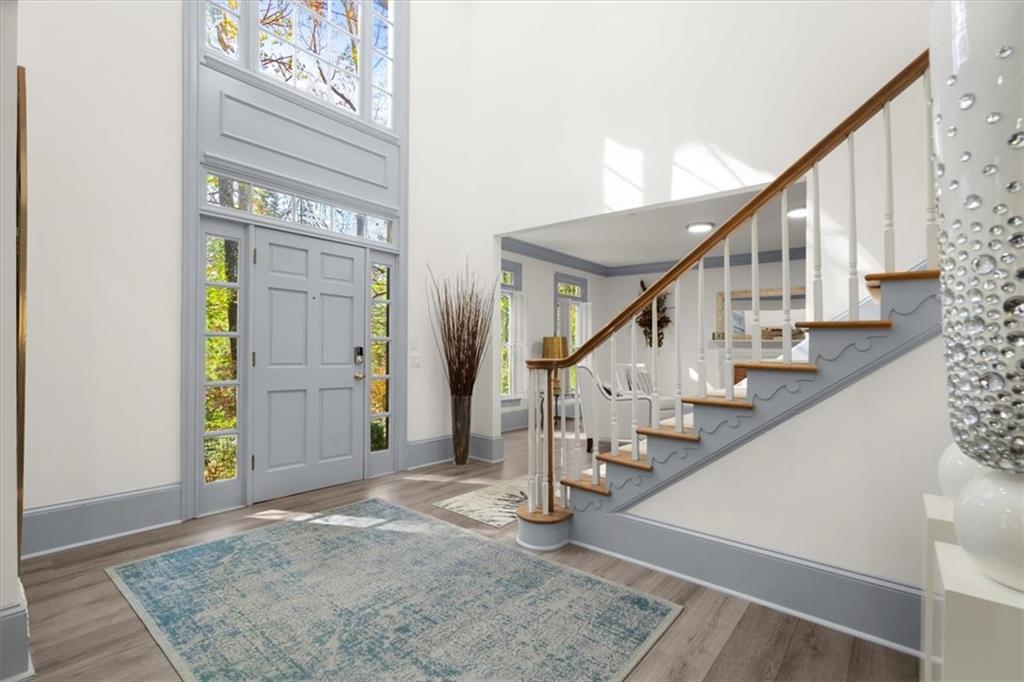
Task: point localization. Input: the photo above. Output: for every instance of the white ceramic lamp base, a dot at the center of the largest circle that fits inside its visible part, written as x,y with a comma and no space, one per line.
989,521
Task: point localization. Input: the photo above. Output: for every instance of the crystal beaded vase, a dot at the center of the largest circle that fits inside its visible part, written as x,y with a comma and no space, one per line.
977,52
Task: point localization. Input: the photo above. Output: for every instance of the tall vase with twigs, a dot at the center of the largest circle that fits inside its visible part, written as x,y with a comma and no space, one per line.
462,308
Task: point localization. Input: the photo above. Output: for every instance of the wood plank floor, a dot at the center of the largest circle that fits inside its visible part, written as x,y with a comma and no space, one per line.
82,628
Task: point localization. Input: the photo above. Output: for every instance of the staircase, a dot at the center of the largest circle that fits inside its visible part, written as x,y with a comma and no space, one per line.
599,487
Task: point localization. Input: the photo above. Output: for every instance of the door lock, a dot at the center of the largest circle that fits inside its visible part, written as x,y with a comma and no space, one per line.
357,355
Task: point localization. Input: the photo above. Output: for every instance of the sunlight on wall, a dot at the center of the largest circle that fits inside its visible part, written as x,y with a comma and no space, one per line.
623,176
699,168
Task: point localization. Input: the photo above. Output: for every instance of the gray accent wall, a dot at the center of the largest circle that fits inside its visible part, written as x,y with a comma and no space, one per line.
61,526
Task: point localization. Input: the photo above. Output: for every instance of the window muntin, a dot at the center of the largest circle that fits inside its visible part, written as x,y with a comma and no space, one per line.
221,338
314,46
381,286
249,198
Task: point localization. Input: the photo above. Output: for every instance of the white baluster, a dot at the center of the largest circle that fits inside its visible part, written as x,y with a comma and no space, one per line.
635,438
815,216
576,445
755,286
655,412
563,457
677,299
702,370
888,231
613,389
852,284
931,214
787,331
549,428
592,434
729,374
531,441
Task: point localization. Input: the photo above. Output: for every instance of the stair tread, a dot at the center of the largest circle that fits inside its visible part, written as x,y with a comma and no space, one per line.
719,401
625,459
599,488
557,515
846,324
776,365
905,275
668,432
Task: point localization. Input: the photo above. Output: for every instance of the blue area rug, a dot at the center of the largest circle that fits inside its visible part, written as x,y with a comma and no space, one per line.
375,591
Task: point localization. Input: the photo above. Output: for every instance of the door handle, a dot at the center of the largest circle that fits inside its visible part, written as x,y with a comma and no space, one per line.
358,376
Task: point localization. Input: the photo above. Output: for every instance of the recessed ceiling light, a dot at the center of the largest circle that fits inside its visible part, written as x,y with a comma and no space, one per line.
798,212
700,228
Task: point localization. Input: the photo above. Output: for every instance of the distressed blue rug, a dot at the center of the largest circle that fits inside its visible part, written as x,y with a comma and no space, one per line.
375,591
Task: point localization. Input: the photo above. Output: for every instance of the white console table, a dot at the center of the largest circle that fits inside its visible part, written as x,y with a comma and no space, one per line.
979,628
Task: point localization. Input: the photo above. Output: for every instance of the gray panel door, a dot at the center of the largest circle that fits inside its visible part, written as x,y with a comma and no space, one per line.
309,397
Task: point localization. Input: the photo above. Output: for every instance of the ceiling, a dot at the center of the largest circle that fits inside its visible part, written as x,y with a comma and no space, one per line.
655,234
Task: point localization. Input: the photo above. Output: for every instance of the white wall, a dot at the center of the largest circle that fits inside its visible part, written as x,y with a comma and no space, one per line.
852,501
531,113
104,281
10,590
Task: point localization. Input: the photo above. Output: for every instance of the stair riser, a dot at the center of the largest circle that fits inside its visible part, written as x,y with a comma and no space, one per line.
903,296
828,343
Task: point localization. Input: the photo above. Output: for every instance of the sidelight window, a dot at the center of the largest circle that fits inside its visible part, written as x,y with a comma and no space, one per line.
381,290
221,335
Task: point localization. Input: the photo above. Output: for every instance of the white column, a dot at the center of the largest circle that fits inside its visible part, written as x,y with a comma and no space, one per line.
632,384
729,375
888,231
815,216
614,447
931,210
787,331
702,370
755,290
655,413
852,283
677,347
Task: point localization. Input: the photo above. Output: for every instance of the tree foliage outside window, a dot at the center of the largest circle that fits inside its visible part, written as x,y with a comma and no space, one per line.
315,46
250,198
380,361
506,343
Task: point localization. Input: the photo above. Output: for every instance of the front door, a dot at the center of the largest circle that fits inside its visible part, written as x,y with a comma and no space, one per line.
309,397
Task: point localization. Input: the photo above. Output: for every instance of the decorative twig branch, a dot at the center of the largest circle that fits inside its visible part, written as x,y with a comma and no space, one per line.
462,309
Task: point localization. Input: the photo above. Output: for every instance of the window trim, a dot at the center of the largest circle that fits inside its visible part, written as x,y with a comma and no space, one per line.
517,275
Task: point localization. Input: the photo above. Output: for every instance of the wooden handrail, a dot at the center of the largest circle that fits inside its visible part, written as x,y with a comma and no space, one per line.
900,82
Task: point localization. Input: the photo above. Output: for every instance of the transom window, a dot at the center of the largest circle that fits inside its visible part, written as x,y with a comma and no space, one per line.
220,413
314,46
380,357
243,196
